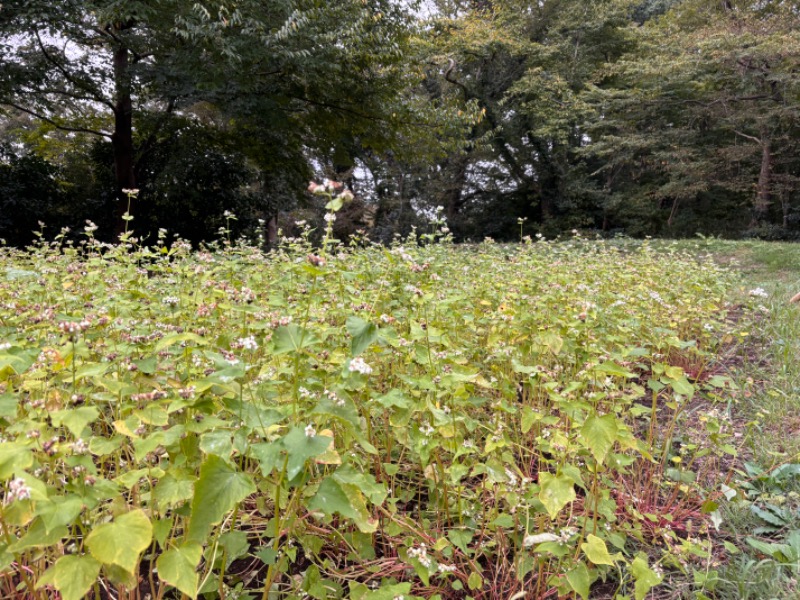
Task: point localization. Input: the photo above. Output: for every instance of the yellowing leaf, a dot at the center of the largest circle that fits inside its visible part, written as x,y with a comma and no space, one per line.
177,567
72,576
556,492
596,551
121,542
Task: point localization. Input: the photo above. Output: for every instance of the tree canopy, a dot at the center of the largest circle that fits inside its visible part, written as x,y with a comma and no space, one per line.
661,117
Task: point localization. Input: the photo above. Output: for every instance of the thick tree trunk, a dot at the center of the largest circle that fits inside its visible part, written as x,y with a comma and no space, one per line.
454,188
122,138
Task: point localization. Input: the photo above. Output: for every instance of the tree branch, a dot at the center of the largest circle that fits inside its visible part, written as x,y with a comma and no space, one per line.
749,137
97,97
55,123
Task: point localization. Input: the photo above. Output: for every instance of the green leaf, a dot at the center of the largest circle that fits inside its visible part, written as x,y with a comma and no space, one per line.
475,581
644,576
74,419
59,511
599,434
16,361
176,338
682,386
529,417
580,580
38,536
218,490
555,492
334,204
596,551
461,539
13,458
121,542
217,441
175,487
612,368
72,576
178,567
553,342
347,500
388,592
153,414
300,448
374,491
8,405
91,370
292,338
779,552
363,333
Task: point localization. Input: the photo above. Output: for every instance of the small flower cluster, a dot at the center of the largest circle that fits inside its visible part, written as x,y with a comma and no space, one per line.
248,343
421,554
149,396
80,447
759,293
17,490
72,327
357,365
334,398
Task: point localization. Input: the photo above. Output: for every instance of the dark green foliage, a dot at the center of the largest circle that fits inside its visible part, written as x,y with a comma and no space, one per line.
32,191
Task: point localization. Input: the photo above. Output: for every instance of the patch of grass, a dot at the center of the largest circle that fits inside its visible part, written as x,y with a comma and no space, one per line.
765,512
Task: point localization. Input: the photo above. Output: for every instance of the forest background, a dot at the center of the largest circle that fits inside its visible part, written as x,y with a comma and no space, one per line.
642,117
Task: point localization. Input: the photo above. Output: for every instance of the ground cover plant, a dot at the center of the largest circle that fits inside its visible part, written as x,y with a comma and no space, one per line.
416,421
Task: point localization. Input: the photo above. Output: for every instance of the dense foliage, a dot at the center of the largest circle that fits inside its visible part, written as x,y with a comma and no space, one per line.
660,117
414,421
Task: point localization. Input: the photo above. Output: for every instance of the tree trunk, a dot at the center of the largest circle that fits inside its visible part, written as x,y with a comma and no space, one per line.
272,231
764,189
122,138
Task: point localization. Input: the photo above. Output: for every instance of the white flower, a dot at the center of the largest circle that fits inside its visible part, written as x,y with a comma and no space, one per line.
5,346
17,490
329,217
759,293
248,343
80,447
310,431
421,554
170,300
358,365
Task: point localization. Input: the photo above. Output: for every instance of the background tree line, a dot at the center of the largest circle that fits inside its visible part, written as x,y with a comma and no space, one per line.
648,117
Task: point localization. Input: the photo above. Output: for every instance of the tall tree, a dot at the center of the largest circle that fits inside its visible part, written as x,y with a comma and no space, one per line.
527,66
705,109
291,77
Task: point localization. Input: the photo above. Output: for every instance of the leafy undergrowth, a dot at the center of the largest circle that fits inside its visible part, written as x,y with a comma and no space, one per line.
420,421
